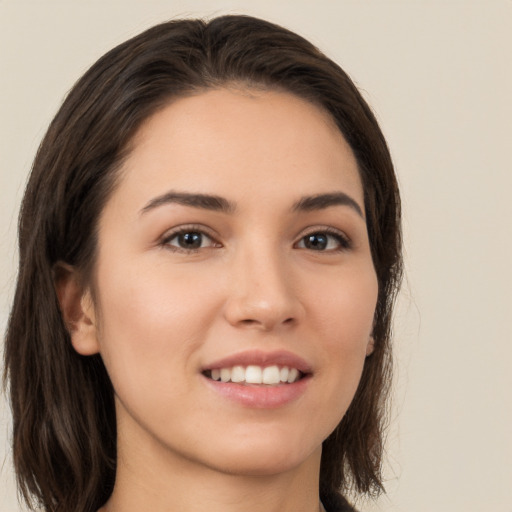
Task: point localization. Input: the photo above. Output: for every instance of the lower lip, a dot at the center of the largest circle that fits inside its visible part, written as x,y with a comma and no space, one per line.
260,396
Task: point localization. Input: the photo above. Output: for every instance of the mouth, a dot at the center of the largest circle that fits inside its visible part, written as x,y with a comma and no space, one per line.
272,375
259,379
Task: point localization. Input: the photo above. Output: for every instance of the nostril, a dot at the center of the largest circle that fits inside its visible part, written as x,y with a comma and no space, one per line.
267,323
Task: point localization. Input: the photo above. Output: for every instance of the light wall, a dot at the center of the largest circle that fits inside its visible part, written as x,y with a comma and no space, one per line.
439,76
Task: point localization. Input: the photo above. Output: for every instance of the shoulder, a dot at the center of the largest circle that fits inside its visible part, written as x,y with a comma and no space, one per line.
334,502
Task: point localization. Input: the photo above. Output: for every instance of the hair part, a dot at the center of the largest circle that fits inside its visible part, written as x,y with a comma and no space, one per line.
64,434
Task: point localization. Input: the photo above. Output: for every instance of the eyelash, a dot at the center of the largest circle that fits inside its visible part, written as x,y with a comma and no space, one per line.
187,230
344,243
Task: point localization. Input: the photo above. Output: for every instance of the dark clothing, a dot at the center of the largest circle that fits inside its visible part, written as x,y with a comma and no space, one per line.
336,503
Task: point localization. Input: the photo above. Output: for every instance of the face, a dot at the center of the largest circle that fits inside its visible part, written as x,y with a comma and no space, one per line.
234,286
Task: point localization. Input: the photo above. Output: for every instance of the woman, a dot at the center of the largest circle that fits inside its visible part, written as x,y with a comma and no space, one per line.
209,254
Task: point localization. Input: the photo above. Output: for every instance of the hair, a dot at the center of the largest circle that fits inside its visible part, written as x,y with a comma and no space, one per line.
64,425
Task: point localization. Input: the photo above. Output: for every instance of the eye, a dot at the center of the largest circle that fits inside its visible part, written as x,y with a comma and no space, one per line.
325,240
188,239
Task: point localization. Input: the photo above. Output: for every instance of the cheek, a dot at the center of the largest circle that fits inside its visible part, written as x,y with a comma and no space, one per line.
151,326
345,307
343,327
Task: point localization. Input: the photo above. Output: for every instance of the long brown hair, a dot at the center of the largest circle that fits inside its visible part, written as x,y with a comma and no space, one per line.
64,436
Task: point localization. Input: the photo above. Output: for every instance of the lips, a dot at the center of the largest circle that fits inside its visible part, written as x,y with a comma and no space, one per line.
259,379
263,359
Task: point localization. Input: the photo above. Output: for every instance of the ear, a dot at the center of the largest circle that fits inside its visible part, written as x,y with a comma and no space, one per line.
77,309
370,346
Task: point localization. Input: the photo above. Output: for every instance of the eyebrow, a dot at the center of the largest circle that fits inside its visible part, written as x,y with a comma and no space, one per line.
321,201
203,201
220,204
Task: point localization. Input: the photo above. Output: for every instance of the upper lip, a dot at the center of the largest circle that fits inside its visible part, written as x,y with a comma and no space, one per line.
261,358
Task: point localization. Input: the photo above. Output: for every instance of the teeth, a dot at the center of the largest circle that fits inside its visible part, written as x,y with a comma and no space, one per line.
238,374
225,374
270,375
253,375
292,376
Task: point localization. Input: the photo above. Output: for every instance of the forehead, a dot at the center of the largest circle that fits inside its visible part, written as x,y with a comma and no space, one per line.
242,144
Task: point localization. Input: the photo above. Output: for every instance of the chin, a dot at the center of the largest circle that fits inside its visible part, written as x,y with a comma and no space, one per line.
264,459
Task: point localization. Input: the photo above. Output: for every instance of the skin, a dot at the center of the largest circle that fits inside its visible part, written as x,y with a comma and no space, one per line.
161,313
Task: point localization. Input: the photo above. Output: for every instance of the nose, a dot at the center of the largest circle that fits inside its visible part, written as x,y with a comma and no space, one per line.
262,293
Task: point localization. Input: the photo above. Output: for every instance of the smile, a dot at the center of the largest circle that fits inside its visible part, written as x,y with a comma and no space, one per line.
259,379
268,375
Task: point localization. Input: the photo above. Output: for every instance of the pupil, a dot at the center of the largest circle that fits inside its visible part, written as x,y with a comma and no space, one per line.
190,240
316,241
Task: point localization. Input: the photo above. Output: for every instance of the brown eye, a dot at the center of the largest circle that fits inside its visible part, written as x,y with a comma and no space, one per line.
323,241
316,241
191,240
188,240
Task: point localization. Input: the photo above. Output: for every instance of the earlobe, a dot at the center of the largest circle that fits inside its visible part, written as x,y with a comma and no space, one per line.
77,309
370,346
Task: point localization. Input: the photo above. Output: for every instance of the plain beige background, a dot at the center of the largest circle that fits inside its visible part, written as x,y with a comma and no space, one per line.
438,74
